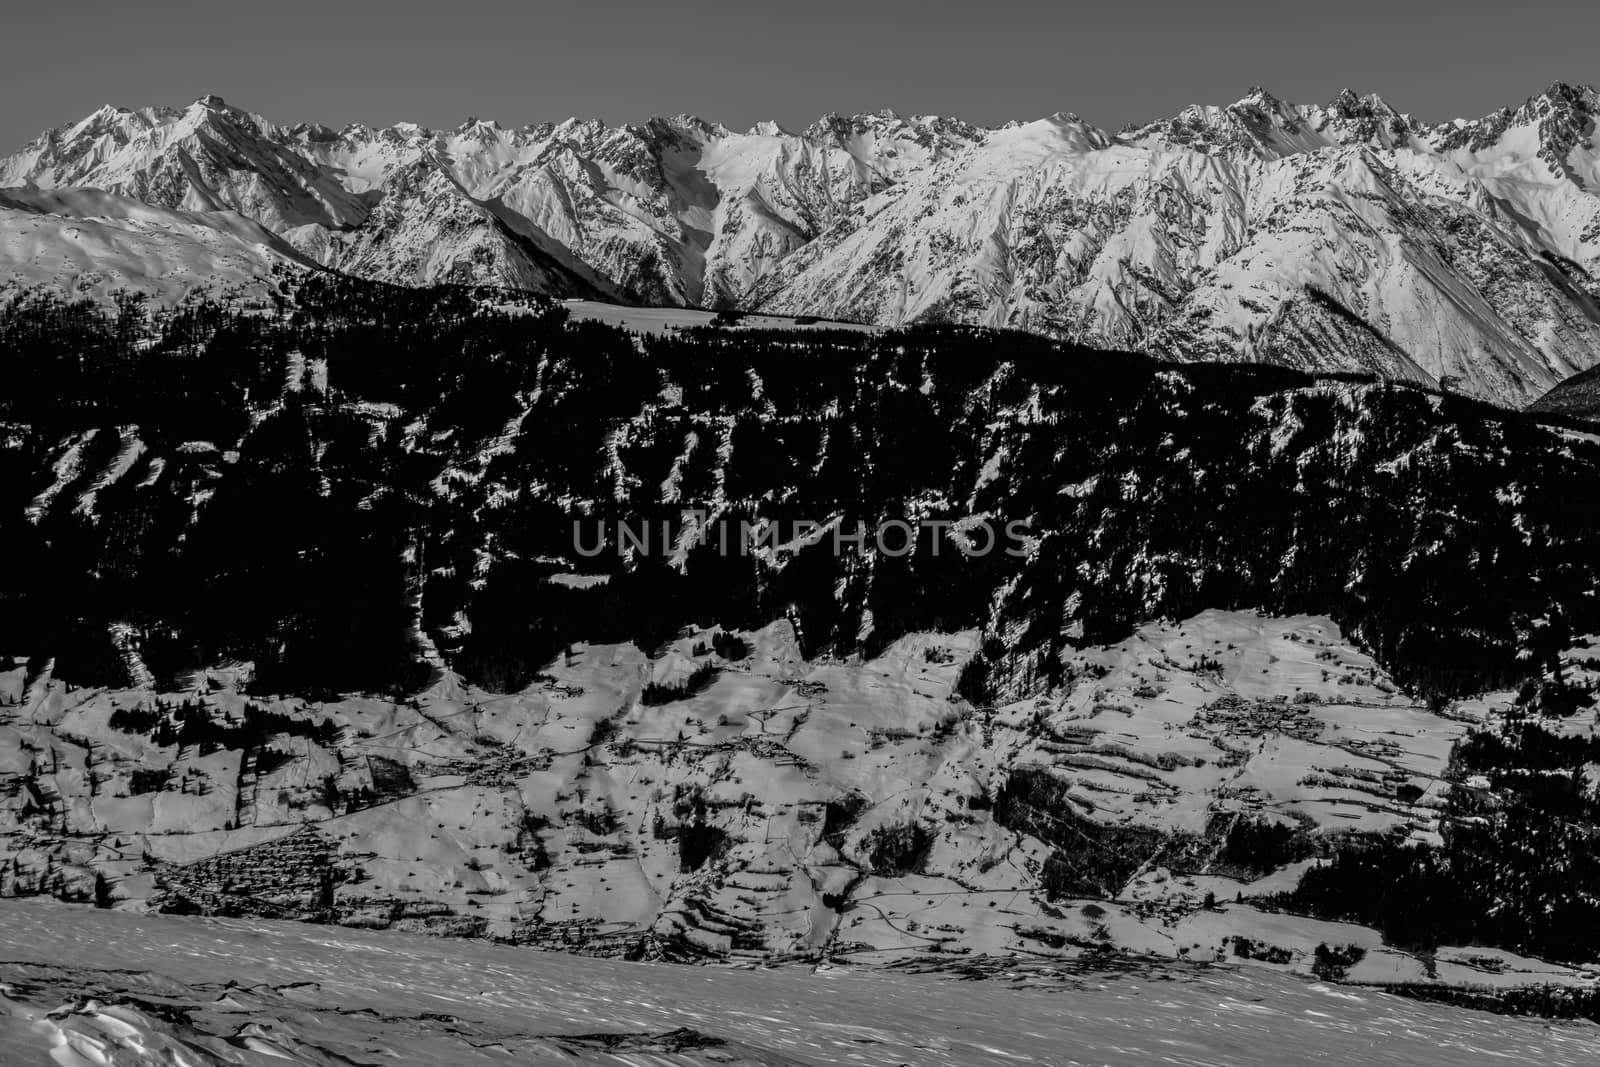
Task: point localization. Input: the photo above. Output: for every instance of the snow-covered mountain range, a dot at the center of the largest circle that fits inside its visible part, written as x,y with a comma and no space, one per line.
1344,236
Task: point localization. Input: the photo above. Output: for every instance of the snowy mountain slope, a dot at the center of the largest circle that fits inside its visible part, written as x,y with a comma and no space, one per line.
427,230
85,242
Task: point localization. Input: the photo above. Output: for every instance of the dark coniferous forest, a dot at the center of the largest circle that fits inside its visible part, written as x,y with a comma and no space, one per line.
372,470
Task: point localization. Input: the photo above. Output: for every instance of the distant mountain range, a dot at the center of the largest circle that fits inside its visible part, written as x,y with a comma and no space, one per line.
1345,236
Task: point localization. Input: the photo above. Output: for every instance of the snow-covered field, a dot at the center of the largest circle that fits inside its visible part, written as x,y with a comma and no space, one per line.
663,319
81,987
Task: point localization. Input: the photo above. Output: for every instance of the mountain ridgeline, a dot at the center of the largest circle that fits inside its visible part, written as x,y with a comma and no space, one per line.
374,482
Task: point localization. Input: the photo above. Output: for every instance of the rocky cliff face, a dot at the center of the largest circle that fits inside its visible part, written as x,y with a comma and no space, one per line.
1337,237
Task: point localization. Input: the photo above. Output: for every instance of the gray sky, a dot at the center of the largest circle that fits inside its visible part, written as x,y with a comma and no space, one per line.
337,61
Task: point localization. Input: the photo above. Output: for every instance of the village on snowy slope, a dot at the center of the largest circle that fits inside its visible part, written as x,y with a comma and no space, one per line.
787,809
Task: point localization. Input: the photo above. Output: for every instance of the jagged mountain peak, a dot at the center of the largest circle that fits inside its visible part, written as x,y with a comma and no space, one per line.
1583,98
212,111
1258,96
1347,98
679,128
1562,103
834,125
1354,119
1352,104
1555,127
767,128
103,117
1063,131
1264,125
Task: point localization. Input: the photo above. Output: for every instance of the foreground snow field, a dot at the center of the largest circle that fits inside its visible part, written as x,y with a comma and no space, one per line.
84,987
